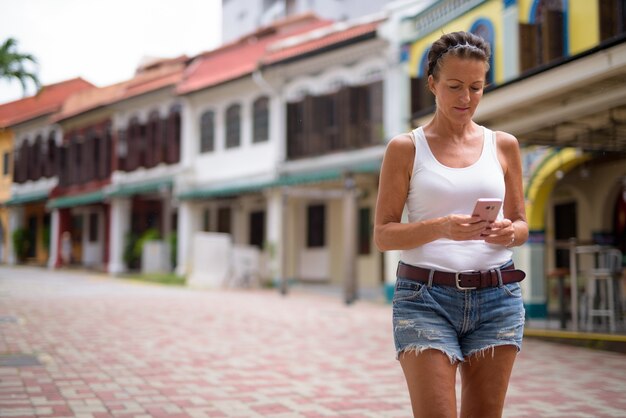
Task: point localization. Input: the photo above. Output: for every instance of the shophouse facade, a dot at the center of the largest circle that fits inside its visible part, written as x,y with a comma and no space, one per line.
120,156
557,82
29,146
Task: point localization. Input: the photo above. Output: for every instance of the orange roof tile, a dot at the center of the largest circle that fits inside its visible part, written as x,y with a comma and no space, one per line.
87,100
148,78
47,101
293,47
241,57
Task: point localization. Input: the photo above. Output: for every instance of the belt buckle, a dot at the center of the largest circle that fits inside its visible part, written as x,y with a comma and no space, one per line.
456,280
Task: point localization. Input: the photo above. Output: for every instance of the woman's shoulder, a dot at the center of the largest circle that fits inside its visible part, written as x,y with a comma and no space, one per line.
401,149
506,141
403,142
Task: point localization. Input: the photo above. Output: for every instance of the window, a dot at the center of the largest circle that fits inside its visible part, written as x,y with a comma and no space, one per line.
6,160
93,227
348,119
612,18
364,231
223,220
172,155
207,132
51,156
484,29
154,154
316,226
206,220
421,96
542,39
257,229
261,120
233,126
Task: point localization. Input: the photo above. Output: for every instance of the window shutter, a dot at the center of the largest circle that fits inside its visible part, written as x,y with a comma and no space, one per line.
309,123
174,150
552,31
344,127
292,126
608,18
528,46
376,112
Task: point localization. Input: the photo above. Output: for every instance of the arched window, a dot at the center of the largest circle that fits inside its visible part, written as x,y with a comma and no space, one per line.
260,130
543,38
51,155
207,131
153,140
172,155
484,29
233,126
421,97
612,18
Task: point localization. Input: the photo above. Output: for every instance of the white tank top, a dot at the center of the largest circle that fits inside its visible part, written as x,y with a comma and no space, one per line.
436,190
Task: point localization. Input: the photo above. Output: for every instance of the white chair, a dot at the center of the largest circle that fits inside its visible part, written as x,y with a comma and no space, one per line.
603,278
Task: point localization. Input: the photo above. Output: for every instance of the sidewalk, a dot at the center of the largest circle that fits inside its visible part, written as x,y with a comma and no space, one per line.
92,346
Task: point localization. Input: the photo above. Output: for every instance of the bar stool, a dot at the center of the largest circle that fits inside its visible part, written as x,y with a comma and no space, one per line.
603,279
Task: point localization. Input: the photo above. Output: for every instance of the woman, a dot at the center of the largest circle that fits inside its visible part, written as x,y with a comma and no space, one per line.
458,299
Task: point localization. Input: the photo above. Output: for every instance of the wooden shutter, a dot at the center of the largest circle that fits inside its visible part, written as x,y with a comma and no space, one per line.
552,33
292,125
173,154
608,18
528,46
149,149
309,122
104,157
376,112
344,126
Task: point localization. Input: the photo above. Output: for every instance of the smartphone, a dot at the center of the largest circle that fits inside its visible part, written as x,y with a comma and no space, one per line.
487,209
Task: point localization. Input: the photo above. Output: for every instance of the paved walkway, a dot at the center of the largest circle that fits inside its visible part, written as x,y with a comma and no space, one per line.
111,348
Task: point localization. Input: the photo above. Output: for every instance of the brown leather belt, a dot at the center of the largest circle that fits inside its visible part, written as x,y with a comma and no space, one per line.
463,280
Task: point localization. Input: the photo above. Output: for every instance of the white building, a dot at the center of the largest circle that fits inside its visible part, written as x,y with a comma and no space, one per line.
240,17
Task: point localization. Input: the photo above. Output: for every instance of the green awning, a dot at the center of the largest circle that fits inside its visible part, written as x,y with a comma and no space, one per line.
76,200
226,190
26,198
240,187
139,188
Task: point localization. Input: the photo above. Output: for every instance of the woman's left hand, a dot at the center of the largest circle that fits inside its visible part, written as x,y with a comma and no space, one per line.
500,232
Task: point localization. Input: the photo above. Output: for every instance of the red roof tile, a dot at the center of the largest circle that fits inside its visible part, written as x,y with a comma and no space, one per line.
241,57
282,50
47,101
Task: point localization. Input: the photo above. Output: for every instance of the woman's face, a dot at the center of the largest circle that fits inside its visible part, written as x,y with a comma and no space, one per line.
459,87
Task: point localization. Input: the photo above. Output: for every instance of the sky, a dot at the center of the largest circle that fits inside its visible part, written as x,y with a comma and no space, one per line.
103,41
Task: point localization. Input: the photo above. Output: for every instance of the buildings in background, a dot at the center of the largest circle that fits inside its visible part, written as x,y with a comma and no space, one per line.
277,139
242,17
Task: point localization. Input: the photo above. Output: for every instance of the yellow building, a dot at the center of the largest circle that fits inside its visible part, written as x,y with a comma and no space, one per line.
27,147
557,82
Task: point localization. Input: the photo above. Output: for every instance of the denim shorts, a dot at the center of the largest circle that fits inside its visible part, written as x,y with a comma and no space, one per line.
460,323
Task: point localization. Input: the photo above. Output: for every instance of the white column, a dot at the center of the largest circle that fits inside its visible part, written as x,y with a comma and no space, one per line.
16,213
189,134
54,239
510,50
186,230
274,227
119,227
350,205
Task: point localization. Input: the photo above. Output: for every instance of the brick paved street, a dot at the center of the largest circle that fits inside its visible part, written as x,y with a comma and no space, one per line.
113,348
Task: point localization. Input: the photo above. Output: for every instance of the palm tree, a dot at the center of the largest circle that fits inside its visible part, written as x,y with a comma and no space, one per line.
12,65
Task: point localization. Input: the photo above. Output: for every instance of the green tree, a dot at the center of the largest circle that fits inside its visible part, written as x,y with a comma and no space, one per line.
13,65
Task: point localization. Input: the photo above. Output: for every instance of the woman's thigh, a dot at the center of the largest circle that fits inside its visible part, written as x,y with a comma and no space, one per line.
431,378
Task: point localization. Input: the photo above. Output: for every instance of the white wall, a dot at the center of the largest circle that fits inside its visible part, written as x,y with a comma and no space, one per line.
248,159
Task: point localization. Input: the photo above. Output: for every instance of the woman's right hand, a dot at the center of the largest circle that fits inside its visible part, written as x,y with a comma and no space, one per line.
463,227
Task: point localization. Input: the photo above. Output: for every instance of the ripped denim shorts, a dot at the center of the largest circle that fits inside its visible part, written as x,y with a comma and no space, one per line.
460,323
